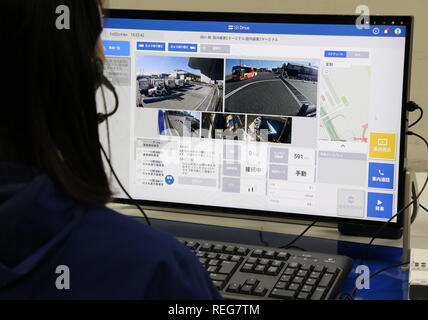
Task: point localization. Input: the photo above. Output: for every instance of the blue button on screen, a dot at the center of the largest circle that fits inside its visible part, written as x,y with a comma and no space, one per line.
334,54
379,205
151,46
183,47
116,48
381,175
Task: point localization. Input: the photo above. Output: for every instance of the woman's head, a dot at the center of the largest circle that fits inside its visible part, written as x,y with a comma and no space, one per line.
49,114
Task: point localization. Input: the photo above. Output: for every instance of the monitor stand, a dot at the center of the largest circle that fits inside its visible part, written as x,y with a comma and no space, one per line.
362,230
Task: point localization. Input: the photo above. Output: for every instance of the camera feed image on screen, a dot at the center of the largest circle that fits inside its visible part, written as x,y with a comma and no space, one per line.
179,123
271,87
223,126
180,83
269,129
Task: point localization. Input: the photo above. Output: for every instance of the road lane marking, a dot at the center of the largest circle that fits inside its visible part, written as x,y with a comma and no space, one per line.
248,84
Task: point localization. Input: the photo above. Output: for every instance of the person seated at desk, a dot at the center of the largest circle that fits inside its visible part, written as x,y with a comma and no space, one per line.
57,238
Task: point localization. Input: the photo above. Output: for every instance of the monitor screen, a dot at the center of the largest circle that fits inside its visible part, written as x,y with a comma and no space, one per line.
259,114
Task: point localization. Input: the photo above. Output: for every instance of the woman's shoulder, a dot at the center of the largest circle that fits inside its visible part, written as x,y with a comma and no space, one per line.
104,224
159,265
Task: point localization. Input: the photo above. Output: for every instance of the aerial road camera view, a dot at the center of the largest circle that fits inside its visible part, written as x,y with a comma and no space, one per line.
179,123
182,83
271,87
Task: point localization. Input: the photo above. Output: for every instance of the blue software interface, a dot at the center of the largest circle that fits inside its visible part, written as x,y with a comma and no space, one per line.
293,118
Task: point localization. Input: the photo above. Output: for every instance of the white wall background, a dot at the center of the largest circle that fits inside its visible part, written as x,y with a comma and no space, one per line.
418,8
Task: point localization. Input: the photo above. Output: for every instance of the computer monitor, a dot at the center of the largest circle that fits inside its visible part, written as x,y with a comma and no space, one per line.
264,115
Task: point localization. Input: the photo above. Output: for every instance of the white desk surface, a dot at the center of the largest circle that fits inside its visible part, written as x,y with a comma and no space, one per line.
419,231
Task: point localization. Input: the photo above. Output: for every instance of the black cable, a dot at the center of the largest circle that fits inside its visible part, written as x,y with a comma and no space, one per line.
423,207
299,236
412,106
421,114
122,187
104,117
400,211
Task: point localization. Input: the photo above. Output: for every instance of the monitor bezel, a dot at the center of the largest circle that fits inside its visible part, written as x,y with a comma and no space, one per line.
406,21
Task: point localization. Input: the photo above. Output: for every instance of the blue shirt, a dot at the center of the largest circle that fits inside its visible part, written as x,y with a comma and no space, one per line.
106,255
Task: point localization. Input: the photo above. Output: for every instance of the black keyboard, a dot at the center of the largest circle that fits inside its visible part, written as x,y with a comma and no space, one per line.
254,272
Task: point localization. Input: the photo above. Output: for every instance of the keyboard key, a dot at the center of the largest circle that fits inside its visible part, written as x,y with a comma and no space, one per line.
218,248
257,253
203,260
233,287
306,267
246,289
211,255
311,282
303,296
285,278
224,257
218,277
318,294
264,261
281,285
277,263
192,245
315,275
251,260
200,254
293,265
283,294
302,273
206,246
251,282
270,254
214,262
230,249
319,269
242,251
294,287
260,268
235,259
218,284
332,270
248,267
289,272
307,288
273,271
212,269
298,280
282,256
259,291
227,267
326,280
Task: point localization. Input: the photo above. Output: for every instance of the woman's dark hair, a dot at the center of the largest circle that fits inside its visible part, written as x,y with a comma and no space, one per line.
48,113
